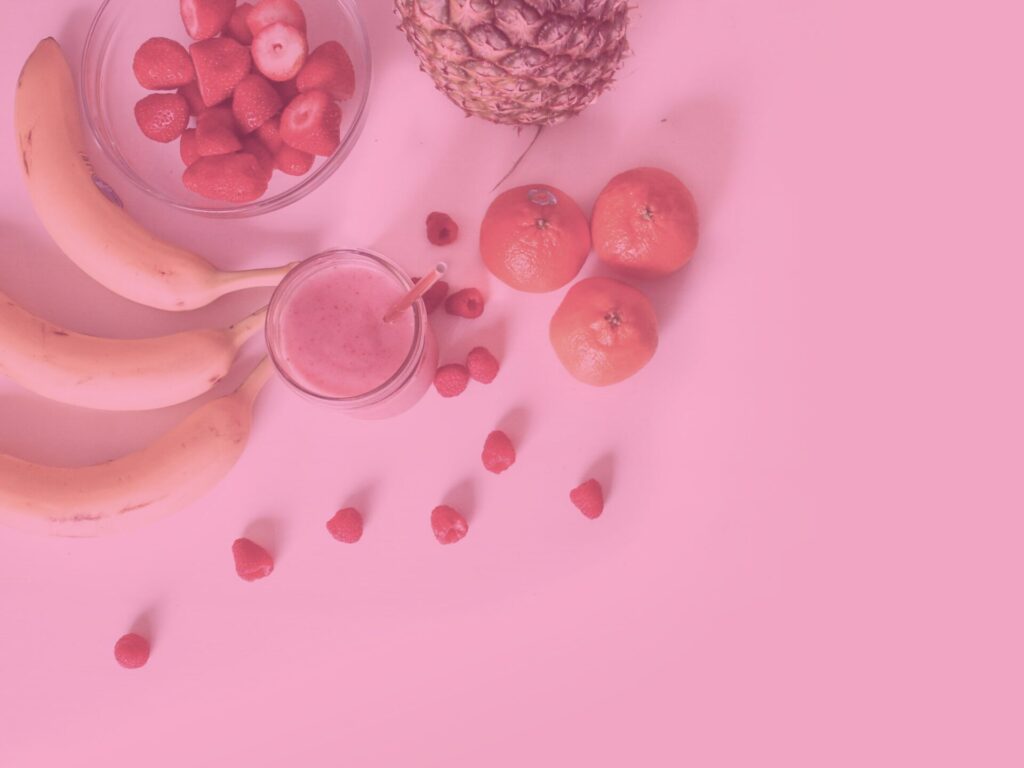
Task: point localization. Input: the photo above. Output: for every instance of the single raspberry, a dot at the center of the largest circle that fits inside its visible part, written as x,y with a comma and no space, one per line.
441,228
131,650
482,365
468,302
499,453
434,297
451,380
588,498
346,525
251,560
449,526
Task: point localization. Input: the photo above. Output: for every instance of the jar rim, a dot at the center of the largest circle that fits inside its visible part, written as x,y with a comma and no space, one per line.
394,383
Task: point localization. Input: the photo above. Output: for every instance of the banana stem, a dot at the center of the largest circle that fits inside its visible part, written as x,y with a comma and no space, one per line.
243,330
254,382
253,278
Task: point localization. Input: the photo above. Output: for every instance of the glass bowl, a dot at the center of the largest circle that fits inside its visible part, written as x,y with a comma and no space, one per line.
109,92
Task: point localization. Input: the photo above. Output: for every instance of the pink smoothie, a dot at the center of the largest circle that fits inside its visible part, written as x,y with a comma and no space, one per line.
333,336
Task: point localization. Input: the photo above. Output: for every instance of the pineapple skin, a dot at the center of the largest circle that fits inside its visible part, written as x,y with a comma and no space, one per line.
518,62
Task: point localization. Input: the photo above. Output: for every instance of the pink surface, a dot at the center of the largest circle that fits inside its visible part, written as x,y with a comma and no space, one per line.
810,554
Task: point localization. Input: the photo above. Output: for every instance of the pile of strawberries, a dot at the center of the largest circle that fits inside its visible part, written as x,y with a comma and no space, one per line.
261,100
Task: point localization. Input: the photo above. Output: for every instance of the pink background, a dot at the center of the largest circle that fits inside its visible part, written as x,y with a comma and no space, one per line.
811,550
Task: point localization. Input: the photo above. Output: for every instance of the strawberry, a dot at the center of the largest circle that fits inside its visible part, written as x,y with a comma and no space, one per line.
448,525
160,64
131,650
215,132
251,560
288,90
499,454
279,51
328,68
434,296
269,12
482,365
255,101
441,228
236,178
220,63
293,161
451,380
162,117
270,134
588,498
468,302
258,149
346,525
238,24
194,98
312,123
206,18
189,147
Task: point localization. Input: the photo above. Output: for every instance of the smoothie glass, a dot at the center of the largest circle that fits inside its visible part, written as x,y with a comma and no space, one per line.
327,336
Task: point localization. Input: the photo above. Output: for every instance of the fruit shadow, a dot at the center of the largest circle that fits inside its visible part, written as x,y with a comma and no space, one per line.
268,532
362,499
516,424
456,336
462,497
147,623
602,470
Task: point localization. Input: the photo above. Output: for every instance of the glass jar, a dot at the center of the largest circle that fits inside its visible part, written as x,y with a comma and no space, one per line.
289,338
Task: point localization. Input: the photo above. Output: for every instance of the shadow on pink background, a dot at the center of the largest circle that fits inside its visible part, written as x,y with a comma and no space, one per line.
810,553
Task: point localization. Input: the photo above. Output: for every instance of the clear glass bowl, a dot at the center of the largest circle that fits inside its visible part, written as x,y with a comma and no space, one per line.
109,92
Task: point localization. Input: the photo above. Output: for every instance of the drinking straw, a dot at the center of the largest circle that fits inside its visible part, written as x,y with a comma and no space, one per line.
424,285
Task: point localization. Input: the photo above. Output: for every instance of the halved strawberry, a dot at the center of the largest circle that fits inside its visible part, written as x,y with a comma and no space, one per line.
162,116
255,101
269,12
205,18
193,97
328,68
258,149
160,64
189,147
279,51
238,24
220,63
312,123
235,178
215,132
293,161
270,134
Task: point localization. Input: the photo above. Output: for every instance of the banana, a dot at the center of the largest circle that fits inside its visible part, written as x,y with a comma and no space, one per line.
139,487
116,374
83,215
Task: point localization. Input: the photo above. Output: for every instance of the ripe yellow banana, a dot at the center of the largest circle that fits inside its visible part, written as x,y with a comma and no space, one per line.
116,374
139,487
90,227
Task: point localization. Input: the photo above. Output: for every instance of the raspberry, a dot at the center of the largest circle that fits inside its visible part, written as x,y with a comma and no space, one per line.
434,297
251,560
451,380
468,302
499,453
346,525
131,650
483,366
449,526
441,228
588,498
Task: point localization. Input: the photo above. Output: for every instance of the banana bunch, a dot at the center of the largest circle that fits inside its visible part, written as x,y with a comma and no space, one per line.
116,374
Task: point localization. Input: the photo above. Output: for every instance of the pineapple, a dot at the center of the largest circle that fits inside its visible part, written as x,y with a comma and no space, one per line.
521,62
